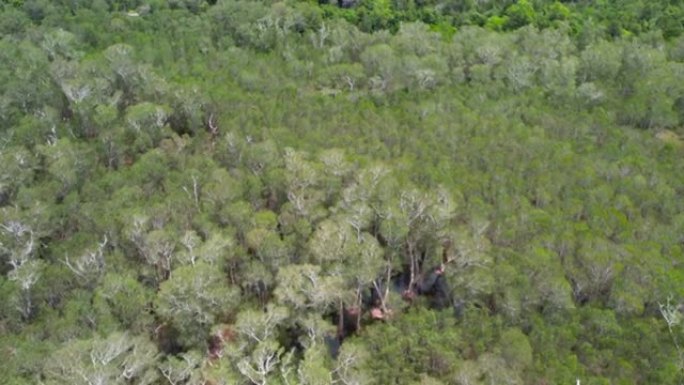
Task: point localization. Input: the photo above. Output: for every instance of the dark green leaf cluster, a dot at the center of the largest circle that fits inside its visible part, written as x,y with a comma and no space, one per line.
605,18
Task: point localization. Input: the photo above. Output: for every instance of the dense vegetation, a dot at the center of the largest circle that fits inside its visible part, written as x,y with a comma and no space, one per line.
191,190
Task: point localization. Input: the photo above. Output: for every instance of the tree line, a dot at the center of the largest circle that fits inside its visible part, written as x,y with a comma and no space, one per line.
198,192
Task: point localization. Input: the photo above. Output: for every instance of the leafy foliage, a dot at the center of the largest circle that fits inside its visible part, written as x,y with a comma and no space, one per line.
204,191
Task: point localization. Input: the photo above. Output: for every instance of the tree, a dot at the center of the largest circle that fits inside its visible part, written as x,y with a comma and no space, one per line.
421,341
117,359
146,122
520,14
314,368
263,363
17,169
516,350
303,179
184,369
212,251
155,246
18,247
381,67
258,354
303,287
66,162
90,265
219,191
193,299
28,88
126,299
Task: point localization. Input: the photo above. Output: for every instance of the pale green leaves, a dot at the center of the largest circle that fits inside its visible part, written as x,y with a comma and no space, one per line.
184,369
89,265
146,117
330,242
18,247
17,168
193,298
303,287
116,359
264,360
303,178
61,43
66,161
259,326
257,354
344,252
126,300
313,369
211,251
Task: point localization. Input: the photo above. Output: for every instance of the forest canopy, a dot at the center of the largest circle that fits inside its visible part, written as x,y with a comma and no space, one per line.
341,192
